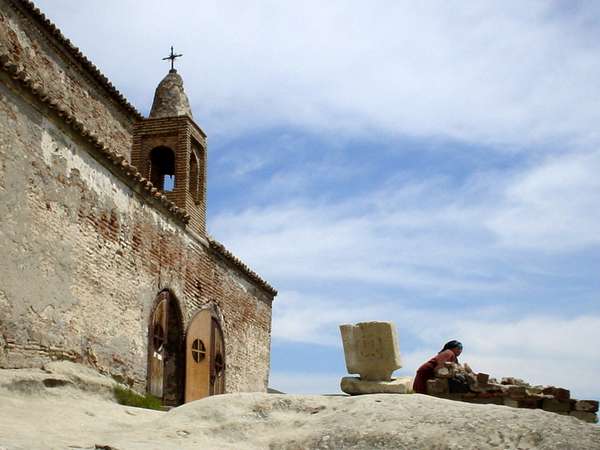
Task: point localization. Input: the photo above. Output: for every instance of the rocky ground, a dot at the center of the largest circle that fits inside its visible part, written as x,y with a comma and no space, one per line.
71,407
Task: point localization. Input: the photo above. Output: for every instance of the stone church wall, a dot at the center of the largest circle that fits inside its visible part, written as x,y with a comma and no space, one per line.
71,81
84,251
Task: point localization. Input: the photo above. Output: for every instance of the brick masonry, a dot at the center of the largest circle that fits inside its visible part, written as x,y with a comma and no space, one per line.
184,137
66,75
86,243
513,392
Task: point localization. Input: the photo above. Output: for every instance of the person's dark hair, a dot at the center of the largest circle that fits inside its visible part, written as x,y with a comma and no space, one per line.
451,344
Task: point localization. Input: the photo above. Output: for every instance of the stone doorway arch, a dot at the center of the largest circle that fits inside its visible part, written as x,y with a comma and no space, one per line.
166,350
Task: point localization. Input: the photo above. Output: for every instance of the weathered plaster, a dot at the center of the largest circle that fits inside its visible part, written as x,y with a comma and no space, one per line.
83,254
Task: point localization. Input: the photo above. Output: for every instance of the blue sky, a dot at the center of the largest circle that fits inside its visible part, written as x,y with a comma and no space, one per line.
430,163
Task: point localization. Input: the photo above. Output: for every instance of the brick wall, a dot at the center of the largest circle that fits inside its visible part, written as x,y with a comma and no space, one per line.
67,76
182,136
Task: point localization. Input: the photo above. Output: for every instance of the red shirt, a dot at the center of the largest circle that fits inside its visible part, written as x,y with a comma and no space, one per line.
427,370
439,360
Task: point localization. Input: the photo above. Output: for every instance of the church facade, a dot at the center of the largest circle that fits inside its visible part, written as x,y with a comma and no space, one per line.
104,254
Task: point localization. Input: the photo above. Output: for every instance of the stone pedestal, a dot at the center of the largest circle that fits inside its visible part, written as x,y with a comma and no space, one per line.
371,350
356,386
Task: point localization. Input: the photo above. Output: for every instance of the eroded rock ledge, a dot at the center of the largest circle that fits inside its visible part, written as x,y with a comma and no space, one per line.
69,406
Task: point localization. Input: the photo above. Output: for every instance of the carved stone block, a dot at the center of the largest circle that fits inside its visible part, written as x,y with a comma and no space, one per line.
371,350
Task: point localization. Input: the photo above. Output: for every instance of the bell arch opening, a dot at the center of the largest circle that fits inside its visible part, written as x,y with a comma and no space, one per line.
162,168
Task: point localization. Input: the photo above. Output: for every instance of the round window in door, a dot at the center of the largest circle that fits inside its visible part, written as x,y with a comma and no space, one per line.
198,350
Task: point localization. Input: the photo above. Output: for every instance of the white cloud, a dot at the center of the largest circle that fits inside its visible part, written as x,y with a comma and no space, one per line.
554,207
305,382
502,72
315,319
427,235
244,164
429,240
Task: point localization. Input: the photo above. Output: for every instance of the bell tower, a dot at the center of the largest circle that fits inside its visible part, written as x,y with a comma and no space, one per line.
169,149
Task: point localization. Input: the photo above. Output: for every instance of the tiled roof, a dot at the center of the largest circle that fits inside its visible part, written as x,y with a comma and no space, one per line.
53,30
128,170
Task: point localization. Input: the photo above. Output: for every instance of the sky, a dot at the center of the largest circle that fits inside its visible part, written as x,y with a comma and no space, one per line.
434,164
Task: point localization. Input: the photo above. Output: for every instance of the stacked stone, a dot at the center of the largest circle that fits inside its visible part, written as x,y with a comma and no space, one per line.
511,392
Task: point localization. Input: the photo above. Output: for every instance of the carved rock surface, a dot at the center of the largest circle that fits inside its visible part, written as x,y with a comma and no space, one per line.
73,416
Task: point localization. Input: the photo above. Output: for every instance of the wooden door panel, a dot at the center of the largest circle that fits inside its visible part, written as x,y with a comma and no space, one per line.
156,347
198,359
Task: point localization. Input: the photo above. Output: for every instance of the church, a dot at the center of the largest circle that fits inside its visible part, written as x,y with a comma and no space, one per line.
105,257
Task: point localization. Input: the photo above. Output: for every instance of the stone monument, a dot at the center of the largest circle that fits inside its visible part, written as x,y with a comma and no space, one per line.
371,350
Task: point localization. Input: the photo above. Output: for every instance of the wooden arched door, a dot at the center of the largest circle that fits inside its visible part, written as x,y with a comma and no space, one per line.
205,357
157,347
166,352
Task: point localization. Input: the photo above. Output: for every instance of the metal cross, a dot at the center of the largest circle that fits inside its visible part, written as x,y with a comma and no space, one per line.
172,57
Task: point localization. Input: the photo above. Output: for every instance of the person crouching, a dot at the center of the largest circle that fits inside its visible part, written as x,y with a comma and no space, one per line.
449,353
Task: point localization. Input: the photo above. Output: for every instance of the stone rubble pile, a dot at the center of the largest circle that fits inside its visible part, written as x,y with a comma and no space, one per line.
371,350
509,391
